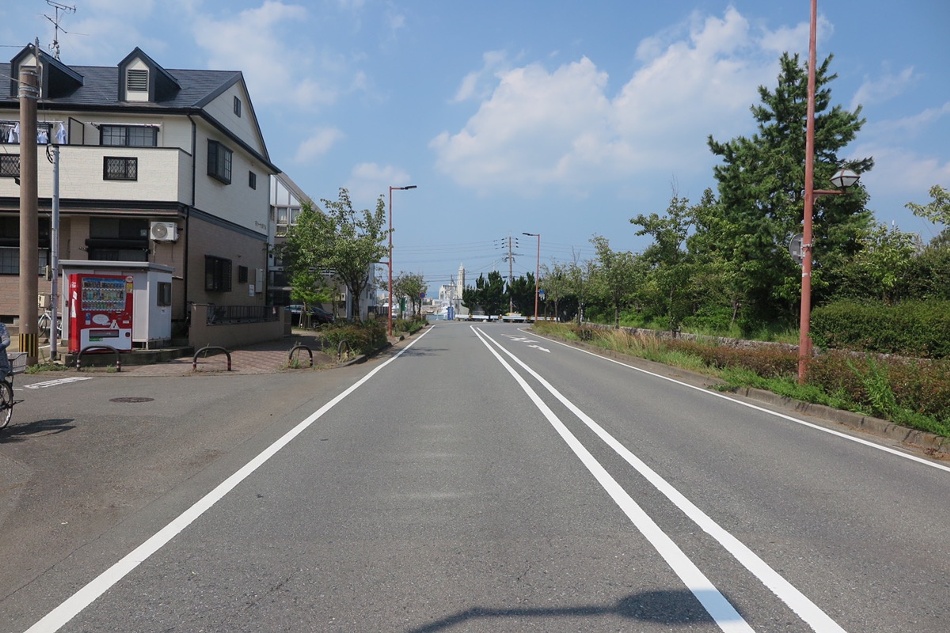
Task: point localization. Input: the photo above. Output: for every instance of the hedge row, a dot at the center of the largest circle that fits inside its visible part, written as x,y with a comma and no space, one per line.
918,329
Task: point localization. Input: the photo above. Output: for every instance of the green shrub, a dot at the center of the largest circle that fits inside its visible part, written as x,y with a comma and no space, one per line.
360,338
912,328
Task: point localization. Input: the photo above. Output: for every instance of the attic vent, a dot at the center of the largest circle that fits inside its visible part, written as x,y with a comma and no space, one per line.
137,80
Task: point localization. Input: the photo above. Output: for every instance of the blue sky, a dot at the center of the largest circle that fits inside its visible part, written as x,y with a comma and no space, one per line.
560,117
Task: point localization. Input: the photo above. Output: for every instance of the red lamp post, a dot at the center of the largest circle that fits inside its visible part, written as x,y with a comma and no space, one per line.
389,318
537,272
843,179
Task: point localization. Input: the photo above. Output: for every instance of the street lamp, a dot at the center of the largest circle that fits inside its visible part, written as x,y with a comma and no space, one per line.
843,179
537,271
389,318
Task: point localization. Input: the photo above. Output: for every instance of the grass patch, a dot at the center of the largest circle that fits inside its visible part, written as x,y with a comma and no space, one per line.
911,392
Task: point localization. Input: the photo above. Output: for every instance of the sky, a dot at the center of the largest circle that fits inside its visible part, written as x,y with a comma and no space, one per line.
564,118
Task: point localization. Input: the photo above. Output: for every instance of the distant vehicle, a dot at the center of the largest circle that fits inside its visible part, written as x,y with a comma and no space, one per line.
319,315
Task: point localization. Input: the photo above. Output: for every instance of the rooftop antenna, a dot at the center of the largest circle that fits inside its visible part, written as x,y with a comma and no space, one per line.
57,7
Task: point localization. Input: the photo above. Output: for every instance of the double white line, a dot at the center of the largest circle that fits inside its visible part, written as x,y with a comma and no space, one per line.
718,607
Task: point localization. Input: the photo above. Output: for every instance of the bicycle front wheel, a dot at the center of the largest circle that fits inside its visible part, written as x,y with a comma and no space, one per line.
6,403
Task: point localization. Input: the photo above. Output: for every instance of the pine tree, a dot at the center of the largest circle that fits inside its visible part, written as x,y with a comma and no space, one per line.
761,196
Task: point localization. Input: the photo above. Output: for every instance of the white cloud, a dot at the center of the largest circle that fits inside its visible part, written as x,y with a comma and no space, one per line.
317,144
368,181
478,84
882,88
539,129
258,42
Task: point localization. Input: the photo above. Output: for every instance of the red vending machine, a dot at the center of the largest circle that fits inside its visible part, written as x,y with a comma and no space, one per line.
100,311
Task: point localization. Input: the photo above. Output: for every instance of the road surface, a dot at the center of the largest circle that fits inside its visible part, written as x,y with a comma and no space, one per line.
479,478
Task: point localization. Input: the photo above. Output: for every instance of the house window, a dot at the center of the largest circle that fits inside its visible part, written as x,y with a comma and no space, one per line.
164,297
242,274
9,165
120,168
118,239
252,180
219,162
136,80
217,274
237,107
128,135
10,260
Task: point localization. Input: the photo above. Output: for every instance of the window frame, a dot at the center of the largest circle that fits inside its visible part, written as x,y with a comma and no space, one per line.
128,138
6,162
131,170
220,161
217,274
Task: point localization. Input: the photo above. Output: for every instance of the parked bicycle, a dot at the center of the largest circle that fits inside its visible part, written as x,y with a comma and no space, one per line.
6,399
44,322
7,370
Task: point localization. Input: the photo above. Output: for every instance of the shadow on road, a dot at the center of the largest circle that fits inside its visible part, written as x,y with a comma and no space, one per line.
18,432
679,607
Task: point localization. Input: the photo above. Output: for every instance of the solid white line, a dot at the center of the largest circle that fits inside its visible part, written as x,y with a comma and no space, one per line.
795,599
718,607
58,617
811,425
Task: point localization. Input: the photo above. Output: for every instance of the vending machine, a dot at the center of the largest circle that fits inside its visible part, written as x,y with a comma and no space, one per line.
100,311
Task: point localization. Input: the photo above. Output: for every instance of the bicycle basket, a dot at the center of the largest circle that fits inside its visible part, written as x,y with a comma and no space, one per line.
18,362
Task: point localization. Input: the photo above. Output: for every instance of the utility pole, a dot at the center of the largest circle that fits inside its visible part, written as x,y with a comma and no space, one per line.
512,243
28,93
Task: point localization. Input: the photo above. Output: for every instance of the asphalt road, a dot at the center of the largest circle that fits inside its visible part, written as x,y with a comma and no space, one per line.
475,479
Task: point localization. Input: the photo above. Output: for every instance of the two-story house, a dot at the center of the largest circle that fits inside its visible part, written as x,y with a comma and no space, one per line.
156,165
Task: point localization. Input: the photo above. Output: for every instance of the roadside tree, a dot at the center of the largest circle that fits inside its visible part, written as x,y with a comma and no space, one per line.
761,185
412,287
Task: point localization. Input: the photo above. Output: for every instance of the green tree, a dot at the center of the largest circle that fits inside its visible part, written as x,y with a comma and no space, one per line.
555,283
349,242
488,294
669,273
616,276
937,210
340,243
761,185
308,284
521,293
413,287
885,258
581,277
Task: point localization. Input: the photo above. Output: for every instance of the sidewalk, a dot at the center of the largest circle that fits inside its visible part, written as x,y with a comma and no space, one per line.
260,358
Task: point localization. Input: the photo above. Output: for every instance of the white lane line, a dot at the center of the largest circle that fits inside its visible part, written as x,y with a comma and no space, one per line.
718,607
53,383
816,427
795,599
58,617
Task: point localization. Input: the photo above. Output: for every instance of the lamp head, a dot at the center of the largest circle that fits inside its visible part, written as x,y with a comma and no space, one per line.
844,179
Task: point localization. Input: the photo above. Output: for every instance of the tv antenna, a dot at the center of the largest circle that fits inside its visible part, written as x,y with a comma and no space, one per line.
57,7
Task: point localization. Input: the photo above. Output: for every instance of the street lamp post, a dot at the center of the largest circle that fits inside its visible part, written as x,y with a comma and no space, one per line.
537,271
843,179
389,318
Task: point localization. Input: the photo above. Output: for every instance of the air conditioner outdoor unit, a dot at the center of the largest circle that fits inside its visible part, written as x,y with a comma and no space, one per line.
163,231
